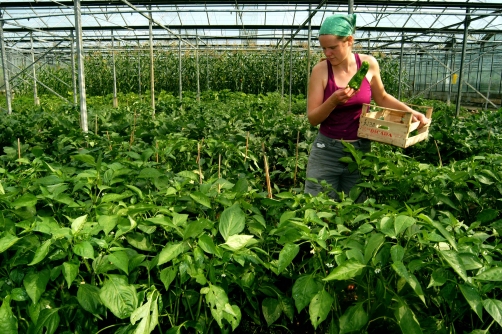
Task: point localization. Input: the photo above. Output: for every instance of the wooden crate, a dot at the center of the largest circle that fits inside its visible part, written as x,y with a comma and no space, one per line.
392,126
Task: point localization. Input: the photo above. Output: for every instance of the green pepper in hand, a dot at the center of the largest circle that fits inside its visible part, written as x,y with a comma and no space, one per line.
357,79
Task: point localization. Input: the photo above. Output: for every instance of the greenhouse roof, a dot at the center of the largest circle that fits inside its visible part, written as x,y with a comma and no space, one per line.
381,25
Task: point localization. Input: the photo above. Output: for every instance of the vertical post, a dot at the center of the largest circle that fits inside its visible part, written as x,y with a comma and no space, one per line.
4,67
290,69
400,68
282,69
179,69
448,101
73,77
115,99
351,7
139,70
36,100
464,45
80,61
197,64
308,53
152,72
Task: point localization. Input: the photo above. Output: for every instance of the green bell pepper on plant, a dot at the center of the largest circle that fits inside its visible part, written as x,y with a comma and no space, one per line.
357,79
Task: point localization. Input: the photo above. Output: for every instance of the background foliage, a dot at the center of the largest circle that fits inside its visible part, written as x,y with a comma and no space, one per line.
163,224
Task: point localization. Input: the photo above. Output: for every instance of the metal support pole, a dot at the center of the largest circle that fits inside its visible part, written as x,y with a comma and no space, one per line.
282,70
415,74
464,45
4,68
152,71
139,70
308,52
351,6
73,77
400,68
115,98
290,70
80,61
179,70
36,100
197,64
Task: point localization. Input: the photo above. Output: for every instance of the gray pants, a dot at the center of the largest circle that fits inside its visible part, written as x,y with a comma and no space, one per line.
324,165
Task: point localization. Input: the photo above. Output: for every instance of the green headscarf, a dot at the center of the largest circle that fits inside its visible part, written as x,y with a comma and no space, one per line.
339,25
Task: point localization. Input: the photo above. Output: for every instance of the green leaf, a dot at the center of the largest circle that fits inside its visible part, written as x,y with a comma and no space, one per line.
286,256
8,322
201,199
207,244
70,272
353,319
386,226
345,271
171,251
120,259
494,308
48,319
401,270
149,173
119,296
84,249
445,233
487,215
111,197
407,320
304,289
397,253
492,274
78,223
35,284
167,276
402,222
473,298
236,242
319,307
374,243
108,223
27,200
41,252
217,300
232,221
88,159
19,295
7,241
438,278
455,262
88,298
195,228
272,310
139,241
148,312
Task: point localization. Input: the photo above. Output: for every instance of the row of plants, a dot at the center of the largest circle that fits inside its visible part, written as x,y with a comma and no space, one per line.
252,72
165,224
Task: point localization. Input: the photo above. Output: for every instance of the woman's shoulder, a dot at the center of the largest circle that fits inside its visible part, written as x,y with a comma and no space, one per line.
369,58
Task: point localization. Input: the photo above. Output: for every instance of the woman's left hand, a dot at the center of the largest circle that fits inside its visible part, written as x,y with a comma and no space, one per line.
419,117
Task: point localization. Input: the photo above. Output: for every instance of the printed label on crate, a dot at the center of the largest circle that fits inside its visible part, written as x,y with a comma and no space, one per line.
380,132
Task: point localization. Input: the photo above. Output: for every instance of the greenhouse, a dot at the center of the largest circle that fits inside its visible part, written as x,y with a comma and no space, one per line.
156,165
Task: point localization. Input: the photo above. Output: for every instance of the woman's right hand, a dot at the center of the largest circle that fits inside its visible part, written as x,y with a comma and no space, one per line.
340,96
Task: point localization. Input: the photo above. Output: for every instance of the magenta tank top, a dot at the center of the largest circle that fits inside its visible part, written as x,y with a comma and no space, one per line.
343,121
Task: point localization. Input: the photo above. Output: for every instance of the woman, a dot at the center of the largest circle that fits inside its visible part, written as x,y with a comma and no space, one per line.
337,108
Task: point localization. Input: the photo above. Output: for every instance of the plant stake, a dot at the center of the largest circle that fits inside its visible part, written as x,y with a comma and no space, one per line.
267,175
